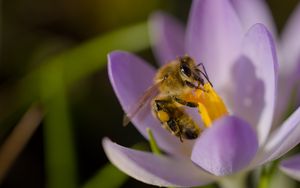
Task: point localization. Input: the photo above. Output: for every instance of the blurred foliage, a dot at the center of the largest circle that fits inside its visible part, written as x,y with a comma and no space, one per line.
108,176
61,164
54,51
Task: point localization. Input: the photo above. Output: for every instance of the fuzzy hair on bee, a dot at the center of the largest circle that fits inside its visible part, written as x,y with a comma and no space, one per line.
166,96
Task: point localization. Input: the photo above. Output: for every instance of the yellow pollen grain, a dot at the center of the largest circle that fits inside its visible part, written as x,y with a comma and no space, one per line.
163,116
210,104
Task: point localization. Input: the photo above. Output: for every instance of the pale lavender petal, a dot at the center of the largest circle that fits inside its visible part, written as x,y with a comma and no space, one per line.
285,86
290,45
259,49
254,11
297,84
281,140
156,170
225,148
130,76
213,37
167,37
288,94
247,92
291,167
290,50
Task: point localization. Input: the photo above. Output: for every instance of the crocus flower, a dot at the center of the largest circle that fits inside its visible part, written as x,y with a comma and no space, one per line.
291,77
289,71
291,167
241,61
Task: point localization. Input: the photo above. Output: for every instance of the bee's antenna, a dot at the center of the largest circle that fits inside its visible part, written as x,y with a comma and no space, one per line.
204,73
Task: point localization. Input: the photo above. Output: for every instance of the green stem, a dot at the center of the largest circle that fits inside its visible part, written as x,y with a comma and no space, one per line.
154,147
61,169
236,181
264,179
267,174
61,71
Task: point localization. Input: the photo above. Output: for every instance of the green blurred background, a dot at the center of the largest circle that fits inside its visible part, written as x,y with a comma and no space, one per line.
53,53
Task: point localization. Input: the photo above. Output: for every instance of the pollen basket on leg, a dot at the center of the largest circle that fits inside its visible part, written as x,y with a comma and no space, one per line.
178,84
163,116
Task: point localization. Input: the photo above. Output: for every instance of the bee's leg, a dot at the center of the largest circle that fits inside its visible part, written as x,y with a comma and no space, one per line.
161,109
174,128
200,86
172,124
198,77
180,138
191,85
161,103
185,103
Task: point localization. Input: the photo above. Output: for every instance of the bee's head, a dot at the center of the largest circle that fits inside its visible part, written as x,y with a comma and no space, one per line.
188,71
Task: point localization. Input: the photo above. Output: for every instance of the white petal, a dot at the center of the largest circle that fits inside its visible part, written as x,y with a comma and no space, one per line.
281,140
155,170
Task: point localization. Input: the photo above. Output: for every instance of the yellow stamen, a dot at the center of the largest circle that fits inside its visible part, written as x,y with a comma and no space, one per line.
210,104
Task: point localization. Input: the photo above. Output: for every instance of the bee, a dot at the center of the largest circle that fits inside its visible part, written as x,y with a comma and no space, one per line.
174,119
172,82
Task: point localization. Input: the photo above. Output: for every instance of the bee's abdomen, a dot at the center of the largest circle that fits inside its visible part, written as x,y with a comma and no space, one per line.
190,133
189,129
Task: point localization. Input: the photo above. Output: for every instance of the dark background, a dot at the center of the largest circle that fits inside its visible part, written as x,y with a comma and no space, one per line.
33,25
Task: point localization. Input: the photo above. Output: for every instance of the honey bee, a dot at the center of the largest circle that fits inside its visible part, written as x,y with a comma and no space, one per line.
166,96
174,119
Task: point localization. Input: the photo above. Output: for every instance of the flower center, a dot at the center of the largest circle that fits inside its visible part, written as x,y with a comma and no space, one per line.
210,104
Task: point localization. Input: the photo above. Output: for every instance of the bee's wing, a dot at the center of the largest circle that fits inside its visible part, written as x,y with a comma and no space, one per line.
143,101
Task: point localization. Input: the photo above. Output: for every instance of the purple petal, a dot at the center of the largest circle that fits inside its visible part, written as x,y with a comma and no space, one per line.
130,76
289,69
213,36
259,49
225,148
288,93
290,43
282,140
167,36
254,11
248,91
156,170
291,167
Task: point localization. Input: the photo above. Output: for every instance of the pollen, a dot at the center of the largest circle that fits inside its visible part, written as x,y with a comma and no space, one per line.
210,104
163,116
